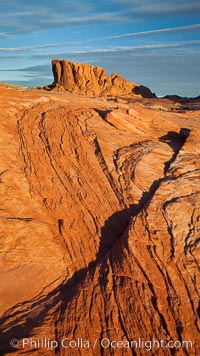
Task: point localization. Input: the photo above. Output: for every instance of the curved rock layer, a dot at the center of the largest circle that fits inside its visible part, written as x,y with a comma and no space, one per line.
100,226
88,80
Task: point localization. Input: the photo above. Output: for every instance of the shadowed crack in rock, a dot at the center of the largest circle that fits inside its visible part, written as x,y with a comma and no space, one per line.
176,141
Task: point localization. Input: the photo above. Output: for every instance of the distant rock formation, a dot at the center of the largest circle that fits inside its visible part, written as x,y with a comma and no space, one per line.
181,99
143,91
185,102
88,80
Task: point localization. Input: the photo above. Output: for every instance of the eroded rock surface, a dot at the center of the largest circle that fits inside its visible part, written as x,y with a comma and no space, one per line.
88,80
100,222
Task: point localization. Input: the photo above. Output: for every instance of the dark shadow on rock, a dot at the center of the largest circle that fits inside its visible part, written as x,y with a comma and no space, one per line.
113,228
198,309
145,198
143,91
21,319
103,113
176,141
19,324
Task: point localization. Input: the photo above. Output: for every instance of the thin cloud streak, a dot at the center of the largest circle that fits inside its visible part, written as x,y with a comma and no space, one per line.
164,8
122,48
4,34
32,17
142,33
133,34
41,19
132,48
25,48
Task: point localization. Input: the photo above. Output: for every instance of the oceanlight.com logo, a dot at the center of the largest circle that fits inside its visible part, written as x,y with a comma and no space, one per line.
105,343
148,345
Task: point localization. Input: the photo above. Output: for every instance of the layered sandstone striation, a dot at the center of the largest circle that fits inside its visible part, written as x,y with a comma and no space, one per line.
86,79
100,222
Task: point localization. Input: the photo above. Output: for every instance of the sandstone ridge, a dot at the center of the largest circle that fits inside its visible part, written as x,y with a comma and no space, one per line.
100,222
88,80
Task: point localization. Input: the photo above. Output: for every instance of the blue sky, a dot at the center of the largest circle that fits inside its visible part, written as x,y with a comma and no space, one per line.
155,43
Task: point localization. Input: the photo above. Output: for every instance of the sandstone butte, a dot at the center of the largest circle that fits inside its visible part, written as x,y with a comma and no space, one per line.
100,223
88,80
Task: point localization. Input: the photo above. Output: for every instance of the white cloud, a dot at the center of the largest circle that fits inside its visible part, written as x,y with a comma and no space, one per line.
133,34
159,7
140,47
169,7
115,49
40,18
4,34
152,32
25,16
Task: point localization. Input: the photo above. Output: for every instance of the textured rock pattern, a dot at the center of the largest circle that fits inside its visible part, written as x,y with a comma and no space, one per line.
88,80
100,223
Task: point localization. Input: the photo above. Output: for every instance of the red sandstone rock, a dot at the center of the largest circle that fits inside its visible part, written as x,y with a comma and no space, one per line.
88,80
100,223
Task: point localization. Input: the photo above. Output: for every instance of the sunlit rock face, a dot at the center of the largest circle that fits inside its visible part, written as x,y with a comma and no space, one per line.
88,80
100,224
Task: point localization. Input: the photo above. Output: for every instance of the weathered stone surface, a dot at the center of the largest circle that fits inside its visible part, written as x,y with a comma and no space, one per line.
100,223
88,80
